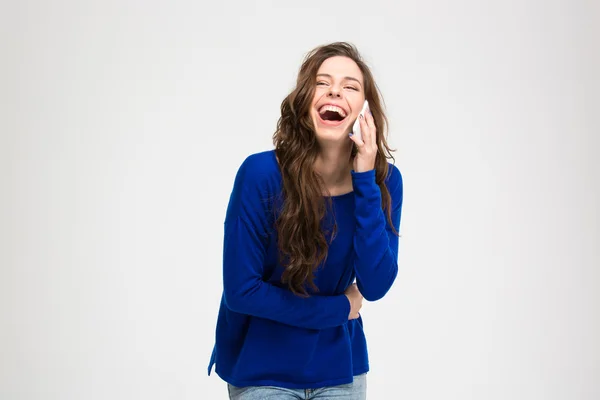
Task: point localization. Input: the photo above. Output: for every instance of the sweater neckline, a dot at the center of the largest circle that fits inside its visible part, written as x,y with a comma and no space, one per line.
336,197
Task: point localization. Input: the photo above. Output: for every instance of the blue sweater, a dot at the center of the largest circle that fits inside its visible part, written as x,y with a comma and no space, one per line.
265,334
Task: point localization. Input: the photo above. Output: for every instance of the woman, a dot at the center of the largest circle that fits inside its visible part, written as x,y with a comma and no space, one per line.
303,222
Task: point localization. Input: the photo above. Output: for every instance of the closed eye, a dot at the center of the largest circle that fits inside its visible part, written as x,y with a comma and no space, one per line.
351,87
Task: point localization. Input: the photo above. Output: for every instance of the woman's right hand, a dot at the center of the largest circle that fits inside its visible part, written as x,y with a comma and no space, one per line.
355,299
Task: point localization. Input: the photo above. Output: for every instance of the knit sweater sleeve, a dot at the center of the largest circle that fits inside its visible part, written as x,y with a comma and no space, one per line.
375,243
244,250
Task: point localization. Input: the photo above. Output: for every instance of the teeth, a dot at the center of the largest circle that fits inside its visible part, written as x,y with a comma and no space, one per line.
332,108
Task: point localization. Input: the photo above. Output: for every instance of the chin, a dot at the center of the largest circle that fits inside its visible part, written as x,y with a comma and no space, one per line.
334,135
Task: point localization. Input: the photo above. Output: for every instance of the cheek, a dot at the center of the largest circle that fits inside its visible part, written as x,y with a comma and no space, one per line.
314,100
357,102
318,94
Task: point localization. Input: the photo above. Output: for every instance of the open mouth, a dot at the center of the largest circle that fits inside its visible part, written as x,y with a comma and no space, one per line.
332,114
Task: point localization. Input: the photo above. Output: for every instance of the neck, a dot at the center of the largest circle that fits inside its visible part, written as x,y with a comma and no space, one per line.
333,163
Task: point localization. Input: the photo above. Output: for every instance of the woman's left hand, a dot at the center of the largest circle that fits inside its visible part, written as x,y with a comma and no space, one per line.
367,146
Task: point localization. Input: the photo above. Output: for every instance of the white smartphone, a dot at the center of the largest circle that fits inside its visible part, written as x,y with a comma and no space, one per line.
356,127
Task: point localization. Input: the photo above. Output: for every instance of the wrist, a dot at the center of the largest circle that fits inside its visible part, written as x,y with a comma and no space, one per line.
350,305
358,174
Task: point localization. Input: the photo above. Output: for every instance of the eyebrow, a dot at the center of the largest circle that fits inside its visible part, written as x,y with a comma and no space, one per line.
349,78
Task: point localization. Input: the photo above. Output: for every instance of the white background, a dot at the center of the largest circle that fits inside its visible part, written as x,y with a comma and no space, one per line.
123,124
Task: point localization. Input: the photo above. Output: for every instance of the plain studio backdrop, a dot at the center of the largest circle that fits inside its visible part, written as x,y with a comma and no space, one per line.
123,124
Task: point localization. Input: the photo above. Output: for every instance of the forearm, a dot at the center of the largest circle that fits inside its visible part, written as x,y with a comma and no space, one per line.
246,292
375,243
264,300
376,262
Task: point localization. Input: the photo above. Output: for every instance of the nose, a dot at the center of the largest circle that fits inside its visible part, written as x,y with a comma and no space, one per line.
334,93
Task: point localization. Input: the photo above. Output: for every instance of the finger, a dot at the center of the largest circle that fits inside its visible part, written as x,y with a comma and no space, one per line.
372,129
369,118
365,130
359,142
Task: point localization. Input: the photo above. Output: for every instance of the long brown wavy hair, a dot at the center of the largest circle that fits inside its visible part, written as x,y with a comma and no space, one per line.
302,242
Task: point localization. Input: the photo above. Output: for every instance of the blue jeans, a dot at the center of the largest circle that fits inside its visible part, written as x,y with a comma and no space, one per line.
356,390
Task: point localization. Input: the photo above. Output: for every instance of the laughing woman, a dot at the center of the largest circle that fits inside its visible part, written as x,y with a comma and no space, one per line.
305,221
